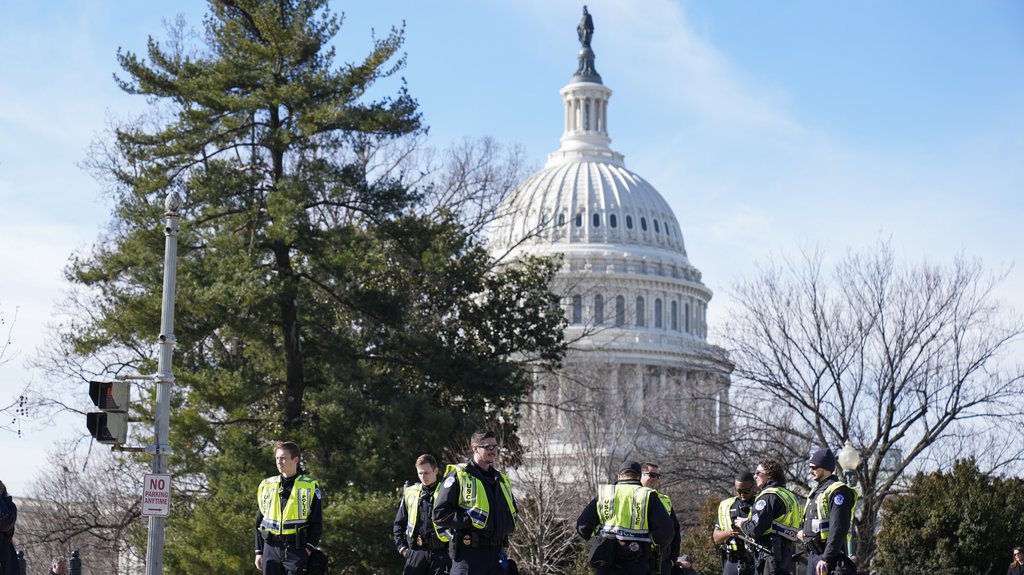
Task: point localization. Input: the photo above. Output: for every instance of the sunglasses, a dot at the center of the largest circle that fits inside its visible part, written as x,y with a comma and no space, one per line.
746,491
812,467
653,474
492,447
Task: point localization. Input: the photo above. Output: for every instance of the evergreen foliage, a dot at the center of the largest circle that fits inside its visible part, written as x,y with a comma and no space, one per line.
697,540
314,301
962,522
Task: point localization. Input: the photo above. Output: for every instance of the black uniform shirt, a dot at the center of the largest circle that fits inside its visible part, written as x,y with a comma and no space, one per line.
739,508
840,506
424,527
659,524
767,507
448,514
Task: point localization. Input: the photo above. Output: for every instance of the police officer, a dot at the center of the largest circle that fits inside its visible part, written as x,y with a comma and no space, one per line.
475,502
827,517
736,558
773,522
628,518
289,516
651,478
423,545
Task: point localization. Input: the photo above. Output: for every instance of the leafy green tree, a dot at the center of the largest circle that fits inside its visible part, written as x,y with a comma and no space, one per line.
963,522
316,301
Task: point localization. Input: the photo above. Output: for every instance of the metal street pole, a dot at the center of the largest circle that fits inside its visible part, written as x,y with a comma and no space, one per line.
161,448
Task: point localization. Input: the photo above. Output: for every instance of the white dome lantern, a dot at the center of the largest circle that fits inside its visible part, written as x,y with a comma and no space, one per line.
635,303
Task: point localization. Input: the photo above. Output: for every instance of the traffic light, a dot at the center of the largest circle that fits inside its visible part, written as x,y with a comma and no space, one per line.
109,426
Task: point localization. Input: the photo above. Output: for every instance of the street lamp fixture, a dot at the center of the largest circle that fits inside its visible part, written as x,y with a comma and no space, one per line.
849,459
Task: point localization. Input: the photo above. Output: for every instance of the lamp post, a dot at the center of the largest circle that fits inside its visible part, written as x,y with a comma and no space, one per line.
849,459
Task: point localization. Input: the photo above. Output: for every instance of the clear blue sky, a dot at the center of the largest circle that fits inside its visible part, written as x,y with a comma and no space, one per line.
765,125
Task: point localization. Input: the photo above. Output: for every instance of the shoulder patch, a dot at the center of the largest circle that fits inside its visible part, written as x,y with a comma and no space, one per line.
449,482
838,499
318,494
760,505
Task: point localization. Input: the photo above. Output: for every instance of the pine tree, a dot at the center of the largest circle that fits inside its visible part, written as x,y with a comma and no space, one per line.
314,301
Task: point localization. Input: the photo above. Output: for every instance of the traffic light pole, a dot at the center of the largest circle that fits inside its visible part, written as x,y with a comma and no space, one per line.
161,447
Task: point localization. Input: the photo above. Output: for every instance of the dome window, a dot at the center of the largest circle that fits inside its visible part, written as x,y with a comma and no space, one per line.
577,309
674,315
598,309
640,312
613,221
597,220
620,310
657,230
579,220
657,314
629,222
643,223
561,219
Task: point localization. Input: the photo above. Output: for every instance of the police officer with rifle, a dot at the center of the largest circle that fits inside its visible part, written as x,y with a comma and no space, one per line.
773,522
737,559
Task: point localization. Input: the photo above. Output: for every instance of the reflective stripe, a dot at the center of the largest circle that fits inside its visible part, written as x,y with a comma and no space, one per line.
295,514
725,520
821,508
477,507
788,523
784,531
411,496
622,511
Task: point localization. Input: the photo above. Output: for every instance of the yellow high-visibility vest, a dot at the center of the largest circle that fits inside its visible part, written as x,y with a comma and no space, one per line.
622,511
725,519
295,514
821,506
412,511
789,522
473,498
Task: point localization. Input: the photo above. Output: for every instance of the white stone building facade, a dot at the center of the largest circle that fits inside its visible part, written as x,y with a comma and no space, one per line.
640,363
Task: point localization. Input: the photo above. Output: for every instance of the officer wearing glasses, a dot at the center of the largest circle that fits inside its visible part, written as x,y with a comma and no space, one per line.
475,502
827,518
651,478
736,558
773,522
622,524
1017,565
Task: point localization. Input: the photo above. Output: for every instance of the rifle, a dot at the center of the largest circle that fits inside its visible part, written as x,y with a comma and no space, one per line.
754,545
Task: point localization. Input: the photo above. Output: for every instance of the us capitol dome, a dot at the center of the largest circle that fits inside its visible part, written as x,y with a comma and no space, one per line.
639,360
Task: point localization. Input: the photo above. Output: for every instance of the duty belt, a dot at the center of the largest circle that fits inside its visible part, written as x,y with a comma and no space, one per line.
297,539
430,543
281,539
476,540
